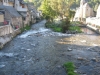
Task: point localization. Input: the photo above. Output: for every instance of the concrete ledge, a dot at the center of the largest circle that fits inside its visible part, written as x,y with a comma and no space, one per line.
94,29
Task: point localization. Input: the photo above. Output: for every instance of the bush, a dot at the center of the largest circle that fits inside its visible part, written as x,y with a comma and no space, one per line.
75,28
55,27
25,28
65,25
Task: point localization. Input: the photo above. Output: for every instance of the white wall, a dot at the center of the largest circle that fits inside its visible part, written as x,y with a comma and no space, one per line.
98,12
18,7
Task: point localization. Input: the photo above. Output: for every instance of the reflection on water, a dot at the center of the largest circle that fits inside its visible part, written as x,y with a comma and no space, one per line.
90,33
87,31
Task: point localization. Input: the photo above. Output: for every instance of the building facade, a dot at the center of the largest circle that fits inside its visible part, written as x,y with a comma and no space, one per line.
98,12
83,11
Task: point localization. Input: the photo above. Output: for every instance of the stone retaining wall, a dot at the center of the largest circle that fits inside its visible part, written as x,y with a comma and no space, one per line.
4,30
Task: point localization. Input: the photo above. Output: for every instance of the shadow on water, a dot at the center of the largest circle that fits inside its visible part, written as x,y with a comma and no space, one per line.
88,31
86,57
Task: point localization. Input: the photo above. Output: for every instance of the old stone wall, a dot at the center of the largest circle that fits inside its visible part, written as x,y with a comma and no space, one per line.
14,20
4,30
17,21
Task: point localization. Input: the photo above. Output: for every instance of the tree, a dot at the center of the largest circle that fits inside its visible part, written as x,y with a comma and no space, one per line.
47,11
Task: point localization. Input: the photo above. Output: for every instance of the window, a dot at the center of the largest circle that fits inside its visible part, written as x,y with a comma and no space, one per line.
23,6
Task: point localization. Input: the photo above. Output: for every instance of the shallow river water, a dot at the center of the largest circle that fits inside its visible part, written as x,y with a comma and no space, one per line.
40,51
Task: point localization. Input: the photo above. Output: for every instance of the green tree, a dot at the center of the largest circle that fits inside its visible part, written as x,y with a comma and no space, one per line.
47,11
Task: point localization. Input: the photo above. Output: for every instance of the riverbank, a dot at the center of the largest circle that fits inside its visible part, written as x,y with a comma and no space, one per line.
40,51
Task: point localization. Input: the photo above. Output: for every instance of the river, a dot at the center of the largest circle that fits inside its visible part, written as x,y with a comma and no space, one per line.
40,51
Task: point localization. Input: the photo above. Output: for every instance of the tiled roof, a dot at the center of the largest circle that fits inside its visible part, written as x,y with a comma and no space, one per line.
13,12
21,1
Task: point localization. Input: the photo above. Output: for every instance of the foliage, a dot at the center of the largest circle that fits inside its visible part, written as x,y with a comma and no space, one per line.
64,26
73,3
26,28
75,28
55,27
47,11
70,67
55,8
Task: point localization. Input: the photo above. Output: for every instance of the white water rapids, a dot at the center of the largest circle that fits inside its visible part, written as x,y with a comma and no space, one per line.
44,32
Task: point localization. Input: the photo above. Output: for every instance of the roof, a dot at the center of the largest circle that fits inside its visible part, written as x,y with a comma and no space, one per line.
21,1
12,11
24,14
11,0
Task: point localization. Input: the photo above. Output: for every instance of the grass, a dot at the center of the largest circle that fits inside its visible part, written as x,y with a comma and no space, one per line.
76,23
27,27
70,67
54,27
75,28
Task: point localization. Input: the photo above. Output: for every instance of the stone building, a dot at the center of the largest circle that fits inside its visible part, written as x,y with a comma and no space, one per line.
98,12
11,15
94,22
21,7
32,11
83,11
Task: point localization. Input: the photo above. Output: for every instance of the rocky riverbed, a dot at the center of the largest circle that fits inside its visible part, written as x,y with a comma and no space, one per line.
41,51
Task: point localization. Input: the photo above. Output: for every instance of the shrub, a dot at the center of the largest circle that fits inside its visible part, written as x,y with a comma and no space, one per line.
25,28
65,25
55,27
75,28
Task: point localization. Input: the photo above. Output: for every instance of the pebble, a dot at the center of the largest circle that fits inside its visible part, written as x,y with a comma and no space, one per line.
94,59
75,71
69,49
80,58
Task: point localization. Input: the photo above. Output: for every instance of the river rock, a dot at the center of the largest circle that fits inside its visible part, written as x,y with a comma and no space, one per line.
95,59
75,71
80,58
69,49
